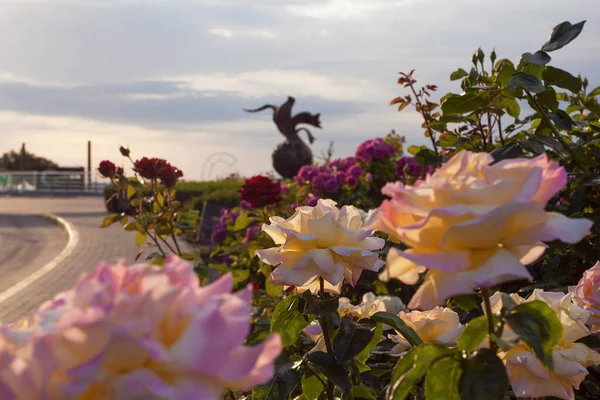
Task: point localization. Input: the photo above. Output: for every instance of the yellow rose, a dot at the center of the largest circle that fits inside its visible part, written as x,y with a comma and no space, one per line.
320,242
440,325
471,224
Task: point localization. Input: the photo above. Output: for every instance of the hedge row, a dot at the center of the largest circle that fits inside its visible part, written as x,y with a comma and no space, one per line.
223,192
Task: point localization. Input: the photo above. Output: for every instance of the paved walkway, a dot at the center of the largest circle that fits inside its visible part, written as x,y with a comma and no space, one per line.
28,242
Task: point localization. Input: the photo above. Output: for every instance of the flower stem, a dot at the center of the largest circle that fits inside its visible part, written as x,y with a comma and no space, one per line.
485,294
325,329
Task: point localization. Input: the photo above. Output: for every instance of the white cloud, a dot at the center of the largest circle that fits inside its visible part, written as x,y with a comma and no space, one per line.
243,33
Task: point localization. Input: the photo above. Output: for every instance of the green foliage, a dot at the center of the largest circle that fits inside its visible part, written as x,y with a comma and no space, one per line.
13,161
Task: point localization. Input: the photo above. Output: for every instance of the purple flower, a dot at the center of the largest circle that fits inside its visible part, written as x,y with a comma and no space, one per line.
284,189
246,205
340,177
331,185
355,170
219,233
227,260
312,201
369,177
407,166
251,233
351,180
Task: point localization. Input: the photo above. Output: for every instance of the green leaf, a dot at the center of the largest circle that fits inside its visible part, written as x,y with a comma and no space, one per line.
412,149
538,58
398,325
563,34
240,275
529,82
532,146
511,106
538,326
312,386
461,104
352,338
317,306
131,191
484,377
365,353
548,99
595,92
473,334
109,220
561,78
288,320
506,69
459,73
140,238
552,143
448,139
467,302
509,150
412,367
561,119
242,221
362,393
325,364
272,289
442,379
281,386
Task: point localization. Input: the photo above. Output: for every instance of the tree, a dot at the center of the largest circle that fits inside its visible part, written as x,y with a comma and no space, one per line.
11,161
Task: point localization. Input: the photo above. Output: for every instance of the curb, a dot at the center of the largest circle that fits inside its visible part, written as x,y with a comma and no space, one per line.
72,240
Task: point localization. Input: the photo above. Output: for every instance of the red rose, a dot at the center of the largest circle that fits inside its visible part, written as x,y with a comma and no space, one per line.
169,175
150,168
261,191
107,169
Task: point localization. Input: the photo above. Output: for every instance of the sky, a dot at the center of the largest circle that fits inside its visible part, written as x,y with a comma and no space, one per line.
169,78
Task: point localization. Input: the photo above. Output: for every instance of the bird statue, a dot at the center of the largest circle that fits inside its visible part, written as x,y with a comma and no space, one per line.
292,154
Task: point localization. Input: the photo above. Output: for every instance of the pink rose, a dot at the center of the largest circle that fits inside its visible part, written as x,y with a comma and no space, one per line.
139,332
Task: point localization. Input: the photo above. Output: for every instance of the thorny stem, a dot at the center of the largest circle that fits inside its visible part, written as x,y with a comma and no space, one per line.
156,242
325,329
555,131
485,294
426,117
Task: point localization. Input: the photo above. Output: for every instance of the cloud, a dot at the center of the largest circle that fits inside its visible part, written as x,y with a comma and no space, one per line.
169,105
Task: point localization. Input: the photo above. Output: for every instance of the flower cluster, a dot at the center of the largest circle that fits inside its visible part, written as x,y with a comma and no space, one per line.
321,242
139,332
219,232
471,224
528,376
331,177
374,149
408,167
109,170
260,191
157,168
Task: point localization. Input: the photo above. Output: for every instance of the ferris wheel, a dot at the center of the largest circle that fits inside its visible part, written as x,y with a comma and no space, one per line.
217,158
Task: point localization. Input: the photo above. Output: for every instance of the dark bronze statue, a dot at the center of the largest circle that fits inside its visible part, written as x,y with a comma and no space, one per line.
293,153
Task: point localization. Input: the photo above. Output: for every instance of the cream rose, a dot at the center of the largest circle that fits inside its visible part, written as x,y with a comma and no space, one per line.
471,224
587,295
439,325
528,376
320,242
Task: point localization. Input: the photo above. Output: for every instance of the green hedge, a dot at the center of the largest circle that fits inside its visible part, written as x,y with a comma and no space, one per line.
225,191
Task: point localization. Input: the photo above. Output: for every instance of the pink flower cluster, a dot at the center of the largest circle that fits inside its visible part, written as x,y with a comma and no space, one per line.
407,166
139,332
374,149
331,177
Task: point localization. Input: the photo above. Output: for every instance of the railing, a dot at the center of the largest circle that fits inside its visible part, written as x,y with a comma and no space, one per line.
48,181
